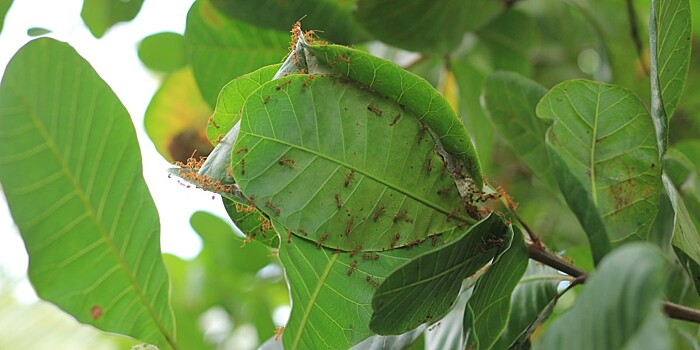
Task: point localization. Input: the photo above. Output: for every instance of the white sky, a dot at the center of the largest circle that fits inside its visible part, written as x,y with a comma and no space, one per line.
115,59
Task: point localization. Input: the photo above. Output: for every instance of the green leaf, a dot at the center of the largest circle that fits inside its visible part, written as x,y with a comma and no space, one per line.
510,101
605,159
232,98
4,7
380,342
509,39
531,302
332,19
221,49
164,52
409,91
251,224
425,26
470,81
682,165
72,176
669,56
331,302
619,308
342,165
37,31
686,238
488,309
176,117
425,288
100,15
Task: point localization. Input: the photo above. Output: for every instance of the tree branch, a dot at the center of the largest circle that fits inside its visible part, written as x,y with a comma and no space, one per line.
672,310
634,33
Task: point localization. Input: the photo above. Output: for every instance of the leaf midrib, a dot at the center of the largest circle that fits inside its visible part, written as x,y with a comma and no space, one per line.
39,126
431,205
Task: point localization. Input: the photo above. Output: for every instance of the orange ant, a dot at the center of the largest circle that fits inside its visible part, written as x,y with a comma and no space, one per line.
322,239
278,333
348,227
374,109
395,240
352,268
400,215
272,206
379,212
355,250
286,161
371,280
348,178
338,202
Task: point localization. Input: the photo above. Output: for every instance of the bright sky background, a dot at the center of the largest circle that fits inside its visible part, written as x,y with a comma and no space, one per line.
115,59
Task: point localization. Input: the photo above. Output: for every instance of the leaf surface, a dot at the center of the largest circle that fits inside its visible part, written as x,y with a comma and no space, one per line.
331,19
340,165
100,15
412,26
425,288
176,116
619,308
232,98
488,309
510,101
163,52
70,167
221,48
331,303
606,159
410,91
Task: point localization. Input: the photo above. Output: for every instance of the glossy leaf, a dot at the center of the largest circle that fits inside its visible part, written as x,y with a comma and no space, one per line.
326,158
176,117
100,15
488,309
603,142
72,176
331,302
331,19
163,52
412,26
221,48
425,288
619,308
232,98
510,101
410,91
686,236
531,302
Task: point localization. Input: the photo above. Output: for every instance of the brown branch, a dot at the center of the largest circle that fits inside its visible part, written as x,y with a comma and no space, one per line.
672,310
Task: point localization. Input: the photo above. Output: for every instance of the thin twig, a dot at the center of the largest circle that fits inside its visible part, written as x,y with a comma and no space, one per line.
533,237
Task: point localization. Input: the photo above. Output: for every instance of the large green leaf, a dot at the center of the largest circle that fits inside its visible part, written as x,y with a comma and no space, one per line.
332,19
509,39
176,117
425,288
231,100
100,15
221,48
602,141
620,307
4,7
531,302
488,309
342,165
425,26
510,101
71,172
409,91
332,291
669,53
164,52
686,237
